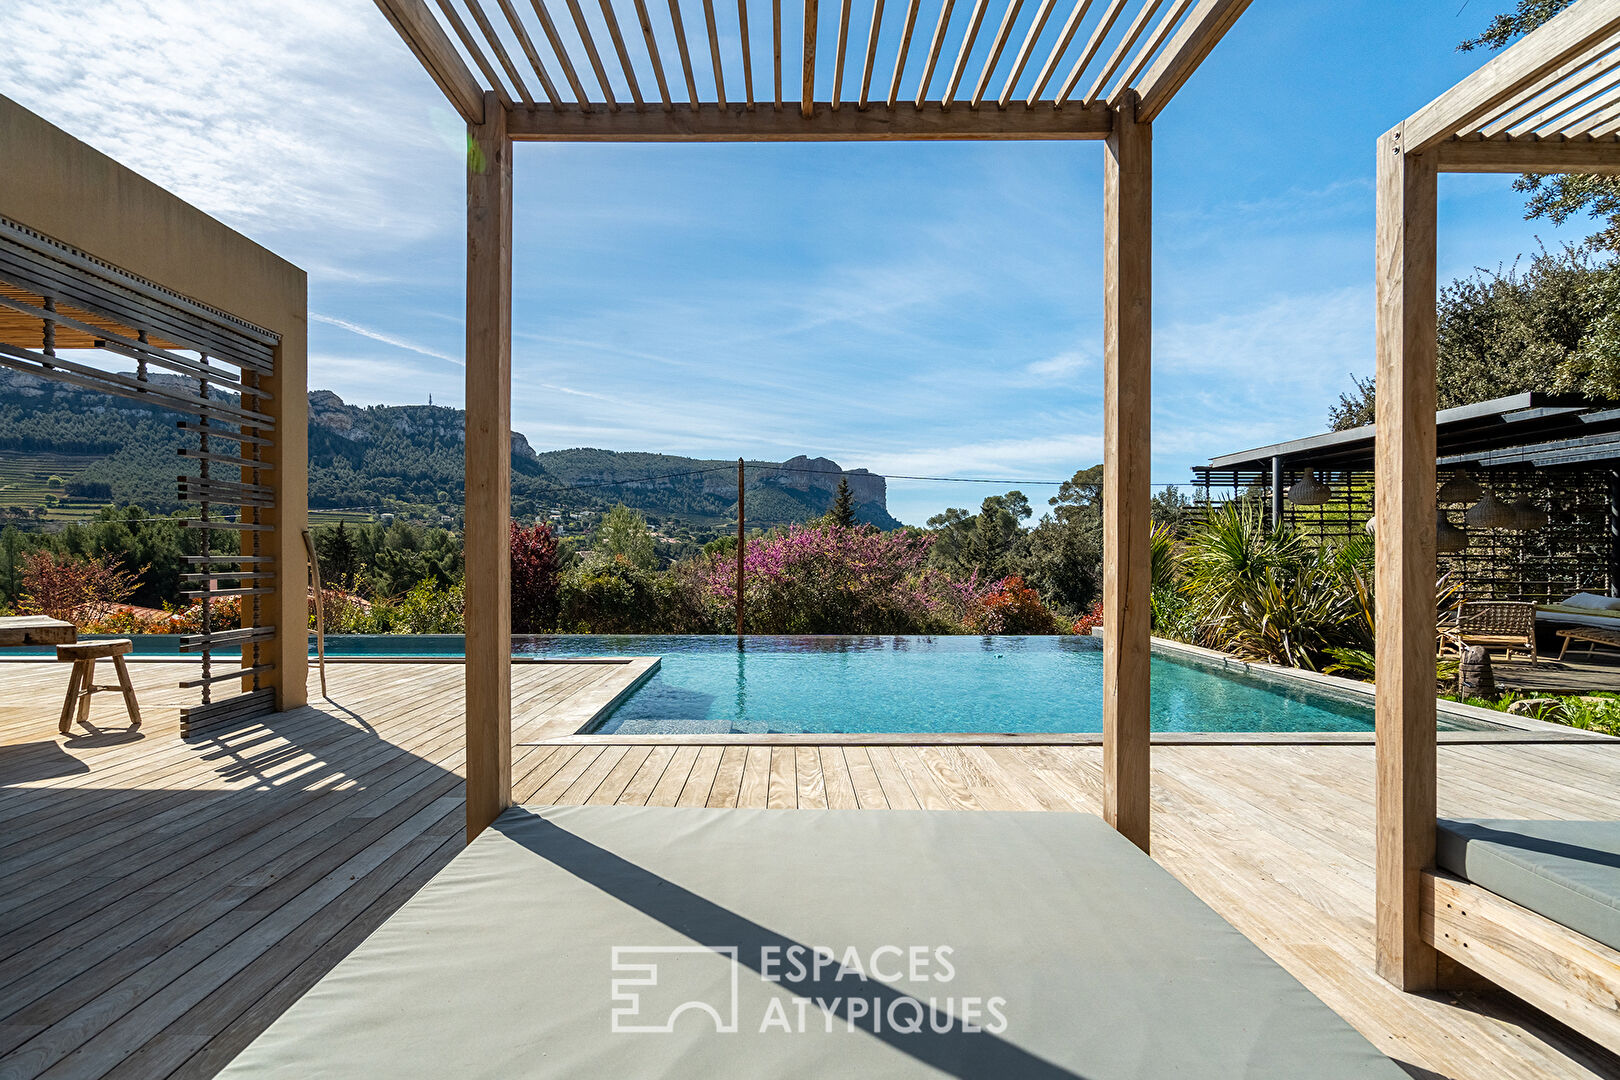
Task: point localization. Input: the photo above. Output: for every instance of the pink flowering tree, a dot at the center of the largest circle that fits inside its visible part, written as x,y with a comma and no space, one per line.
830,580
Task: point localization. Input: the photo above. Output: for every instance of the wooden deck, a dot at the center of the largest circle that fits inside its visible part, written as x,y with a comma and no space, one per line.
162,901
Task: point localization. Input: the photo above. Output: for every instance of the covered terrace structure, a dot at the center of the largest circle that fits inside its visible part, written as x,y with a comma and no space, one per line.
1557,454
1548,104
1104,75
212,327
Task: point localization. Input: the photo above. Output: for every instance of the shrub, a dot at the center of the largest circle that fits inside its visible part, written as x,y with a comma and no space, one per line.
612,597
535,579
76,590
1012,607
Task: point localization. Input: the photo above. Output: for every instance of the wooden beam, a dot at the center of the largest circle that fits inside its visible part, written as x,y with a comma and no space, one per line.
1150,47
975,20
476,51
1070,26
1127,390
489,470
1117,57
652,52
617,35
686,53
807,94
591,54
710,123
527,45
838,56
933,50
1563,39
1404,478
1565,974
1098,34
1043,13
550,28
423,35
1202,31
1547,156
747,55
905,49
714,53
871,54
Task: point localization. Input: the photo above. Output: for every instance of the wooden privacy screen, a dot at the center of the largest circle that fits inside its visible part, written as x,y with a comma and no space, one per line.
189,359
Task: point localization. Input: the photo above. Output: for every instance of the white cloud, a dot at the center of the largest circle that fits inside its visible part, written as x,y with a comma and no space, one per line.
385,338
301,122
1059,368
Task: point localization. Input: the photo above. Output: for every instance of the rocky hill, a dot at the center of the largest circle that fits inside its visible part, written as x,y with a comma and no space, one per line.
400,459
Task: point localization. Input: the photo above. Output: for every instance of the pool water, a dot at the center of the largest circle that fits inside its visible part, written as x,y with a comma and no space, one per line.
792,685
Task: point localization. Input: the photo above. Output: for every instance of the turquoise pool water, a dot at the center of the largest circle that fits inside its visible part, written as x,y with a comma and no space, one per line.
792,685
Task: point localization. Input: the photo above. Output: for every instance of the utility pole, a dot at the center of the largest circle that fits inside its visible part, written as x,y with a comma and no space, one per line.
741,541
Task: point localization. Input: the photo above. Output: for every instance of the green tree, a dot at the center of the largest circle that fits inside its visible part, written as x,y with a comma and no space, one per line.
984,543
623,534
843,507
1558,196
1547,327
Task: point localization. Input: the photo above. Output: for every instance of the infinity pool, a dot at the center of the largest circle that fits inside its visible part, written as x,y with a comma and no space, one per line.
792,685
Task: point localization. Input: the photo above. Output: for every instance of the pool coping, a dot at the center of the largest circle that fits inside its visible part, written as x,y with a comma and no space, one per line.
1501,727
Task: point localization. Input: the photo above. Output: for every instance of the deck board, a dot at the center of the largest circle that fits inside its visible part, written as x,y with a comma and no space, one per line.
161,901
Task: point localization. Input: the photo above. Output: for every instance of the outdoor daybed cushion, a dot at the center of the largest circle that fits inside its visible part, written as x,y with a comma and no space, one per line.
1577,615
1567,871
503,965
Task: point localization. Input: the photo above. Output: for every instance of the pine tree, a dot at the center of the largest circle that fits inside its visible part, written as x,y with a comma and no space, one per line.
843,508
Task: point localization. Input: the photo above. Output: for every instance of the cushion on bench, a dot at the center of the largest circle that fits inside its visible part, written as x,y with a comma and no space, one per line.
1566,871
1104,965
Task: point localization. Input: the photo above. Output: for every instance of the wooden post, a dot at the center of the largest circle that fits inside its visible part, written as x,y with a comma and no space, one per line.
1404,479
741,542
489,469
1127,358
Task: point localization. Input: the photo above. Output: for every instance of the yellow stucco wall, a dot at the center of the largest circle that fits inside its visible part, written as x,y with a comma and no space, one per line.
56,184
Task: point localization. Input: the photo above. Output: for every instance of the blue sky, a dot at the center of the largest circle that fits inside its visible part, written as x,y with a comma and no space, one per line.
909,308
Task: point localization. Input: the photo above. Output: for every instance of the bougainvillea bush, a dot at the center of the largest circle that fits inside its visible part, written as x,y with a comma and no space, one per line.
832,580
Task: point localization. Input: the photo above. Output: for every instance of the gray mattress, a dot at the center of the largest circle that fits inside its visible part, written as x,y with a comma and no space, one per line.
1568,871
1025,945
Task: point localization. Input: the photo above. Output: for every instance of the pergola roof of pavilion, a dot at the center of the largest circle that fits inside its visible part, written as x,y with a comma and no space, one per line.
629,70
1549,103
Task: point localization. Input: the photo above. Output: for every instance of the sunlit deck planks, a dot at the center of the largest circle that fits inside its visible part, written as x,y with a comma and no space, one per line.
161,902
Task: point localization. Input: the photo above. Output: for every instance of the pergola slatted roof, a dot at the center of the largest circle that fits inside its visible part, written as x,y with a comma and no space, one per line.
1552,104
1002,70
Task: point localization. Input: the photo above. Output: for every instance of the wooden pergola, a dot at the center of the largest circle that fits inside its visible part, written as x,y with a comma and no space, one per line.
1548,104
1104,73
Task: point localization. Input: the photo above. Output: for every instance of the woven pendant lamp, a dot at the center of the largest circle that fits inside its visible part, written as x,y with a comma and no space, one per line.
1461,488
1309,492
1491,513
1448,539
1529,517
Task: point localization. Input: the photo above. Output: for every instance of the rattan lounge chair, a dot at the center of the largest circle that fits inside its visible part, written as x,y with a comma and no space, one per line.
1503,624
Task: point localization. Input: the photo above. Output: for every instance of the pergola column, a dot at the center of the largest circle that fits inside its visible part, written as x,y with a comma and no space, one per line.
489,468
1127,358
1405,479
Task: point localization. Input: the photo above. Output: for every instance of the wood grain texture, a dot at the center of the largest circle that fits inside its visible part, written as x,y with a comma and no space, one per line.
1597,156
1127,407
1552,967
1405,486
489,472
708,122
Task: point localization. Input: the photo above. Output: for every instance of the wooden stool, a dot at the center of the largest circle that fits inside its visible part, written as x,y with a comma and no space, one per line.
82,683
